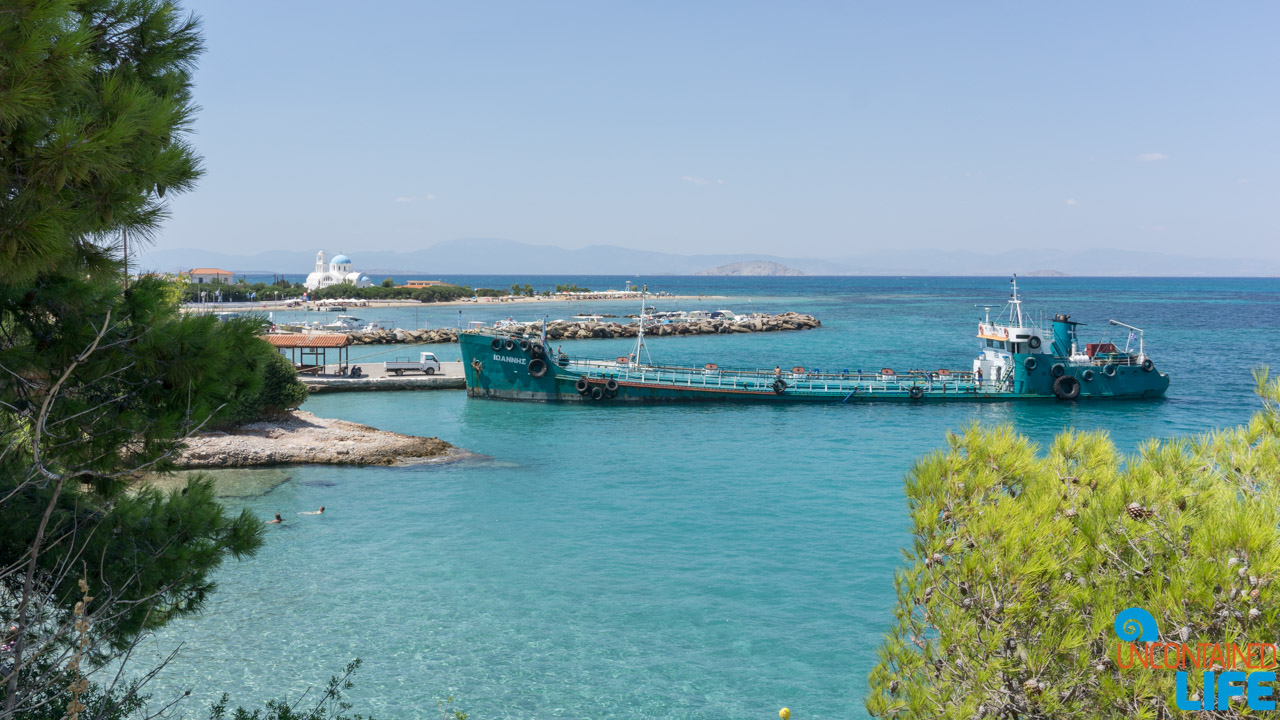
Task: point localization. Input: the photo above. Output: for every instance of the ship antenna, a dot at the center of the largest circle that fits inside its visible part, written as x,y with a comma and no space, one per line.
1016,315
640,346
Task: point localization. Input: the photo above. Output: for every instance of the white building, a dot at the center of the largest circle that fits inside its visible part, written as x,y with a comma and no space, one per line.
209,275
337,271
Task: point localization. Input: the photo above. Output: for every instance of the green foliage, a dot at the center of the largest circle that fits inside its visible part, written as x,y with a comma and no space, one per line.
95,104
119,703
152,376
448,711
99,381
144,544
241,291
275,387
1022,560
562,287
330,706
432,293
175,290
388,282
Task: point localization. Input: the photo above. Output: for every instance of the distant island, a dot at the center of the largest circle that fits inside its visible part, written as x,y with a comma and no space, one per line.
1045,273
753,267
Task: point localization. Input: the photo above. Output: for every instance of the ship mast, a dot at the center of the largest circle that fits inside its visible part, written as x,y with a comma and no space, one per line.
1015,305
640,346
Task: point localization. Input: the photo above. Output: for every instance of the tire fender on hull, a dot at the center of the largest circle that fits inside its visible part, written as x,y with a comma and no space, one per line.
1066,387
537,368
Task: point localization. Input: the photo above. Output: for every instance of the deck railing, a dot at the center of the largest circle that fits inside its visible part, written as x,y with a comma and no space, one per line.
1126,360
761,380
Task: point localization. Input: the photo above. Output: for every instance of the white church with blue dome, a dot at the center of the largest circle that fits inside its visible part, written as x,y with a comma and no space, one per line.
337,271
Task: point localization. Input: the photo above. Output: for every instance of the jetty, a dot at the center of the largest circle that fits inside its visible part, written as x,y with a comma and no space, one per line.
592,329
373,377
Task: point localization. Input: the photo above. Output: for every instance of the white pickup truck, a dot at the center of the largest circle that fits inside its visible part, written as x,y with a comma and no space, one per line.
426,364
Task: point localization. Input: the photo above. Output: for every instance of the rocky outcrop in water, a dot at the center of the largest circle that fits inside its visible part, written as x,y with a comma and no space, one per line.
300,438
588,329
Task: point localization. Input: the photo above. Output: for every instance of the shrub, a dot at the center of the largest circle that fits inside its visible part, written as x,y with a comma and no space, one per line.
281,389
273,388
433,293
1021,562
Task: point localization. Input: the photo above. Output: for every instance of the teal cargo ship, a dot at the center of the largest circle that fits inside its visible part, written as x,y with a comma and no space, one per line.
1017,360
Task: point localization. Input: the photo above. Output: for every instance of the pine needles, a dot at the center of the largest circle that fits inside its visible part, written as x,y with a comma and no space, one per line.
1021,561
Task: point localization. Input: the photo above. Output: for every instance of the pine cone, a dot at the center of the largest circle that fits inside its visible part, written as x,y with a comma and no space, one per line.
1139,512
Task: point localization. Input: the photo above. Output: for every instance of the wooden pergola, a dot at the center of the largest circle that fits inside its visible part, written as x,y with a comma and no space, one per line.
310,352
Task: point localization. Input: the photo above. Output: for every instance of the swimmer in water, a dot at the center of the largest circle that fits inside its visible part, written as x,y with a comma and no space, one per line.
277,521
314,512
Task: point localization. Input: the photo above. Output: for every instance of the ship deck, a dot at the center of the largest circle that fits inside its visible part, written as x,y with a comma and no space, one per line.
846,385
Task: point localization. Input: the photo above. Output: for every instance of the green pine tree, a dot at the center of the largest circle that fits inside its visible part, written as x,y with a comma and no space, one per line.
101,379
1022,560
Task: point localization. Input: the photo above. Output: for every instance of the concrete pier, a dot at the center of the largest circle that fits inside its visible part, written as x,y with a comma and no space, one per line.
375,378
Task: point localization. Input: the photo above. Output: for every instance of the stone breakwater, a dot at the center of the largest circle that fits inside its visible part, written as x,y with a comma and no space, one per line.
300,438
587,329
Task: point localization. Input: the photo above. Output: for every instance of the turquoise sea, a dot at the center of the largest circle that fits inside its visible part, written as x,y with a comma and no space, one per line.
662,562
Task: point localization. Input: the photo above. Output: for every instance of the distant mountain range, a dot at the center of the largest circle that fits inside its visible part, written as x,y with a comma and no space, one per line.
508,257
478,257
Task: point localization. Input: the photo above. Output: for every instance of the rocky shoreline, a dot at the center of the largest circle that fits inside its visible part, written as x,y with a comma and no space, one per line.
587,329
300,438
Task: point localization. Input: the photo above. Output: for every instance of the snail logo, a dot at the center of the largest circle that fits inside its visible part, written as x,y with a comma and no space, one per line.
1136,624
1218,665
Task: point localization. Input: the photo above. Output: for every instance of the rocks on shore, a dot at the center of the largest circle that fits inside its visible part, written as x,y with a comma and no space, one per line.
586,329
300,438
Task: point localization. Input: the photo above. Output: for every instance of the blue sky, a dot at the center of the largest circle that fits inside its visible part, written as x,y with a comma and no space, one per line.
802,129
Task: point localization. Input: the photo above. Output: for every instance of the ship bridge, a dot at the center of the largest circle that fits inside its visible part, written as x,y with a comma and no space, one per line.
1017,334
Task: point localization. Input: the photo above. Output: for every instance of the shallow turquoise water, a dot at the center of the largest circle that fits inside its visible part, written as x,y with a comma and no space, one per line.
676,562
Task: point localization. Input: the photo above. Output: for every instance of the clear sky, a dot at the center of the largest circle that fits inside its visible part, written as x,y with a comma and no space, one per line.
802,129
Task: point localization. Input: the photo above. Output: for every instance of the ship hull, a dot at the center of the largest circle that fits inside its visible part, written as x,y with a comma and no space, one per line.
502,368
